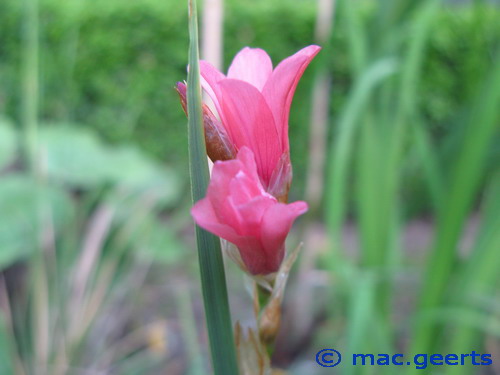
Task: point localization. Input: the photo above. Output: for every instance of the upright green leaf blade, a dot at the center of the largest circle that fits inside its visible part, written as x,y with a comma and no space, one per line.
211,266
466,177
340,153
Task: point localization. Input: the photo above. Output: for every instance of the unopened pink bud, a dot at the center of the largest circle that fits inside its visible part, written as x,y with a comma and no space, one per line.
218,145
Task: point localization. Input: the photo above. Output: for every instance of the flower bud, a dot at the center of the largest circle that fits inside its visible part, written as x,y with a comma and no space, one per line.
270,320
253,358
218,144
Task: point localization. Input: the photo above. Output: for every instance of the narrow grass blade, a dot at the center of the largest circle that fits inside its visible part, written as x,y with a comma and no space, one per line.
482,268
369,191
466,176
211,265
358,49
342,146
381,189
480,274
431,164
361,312
410,73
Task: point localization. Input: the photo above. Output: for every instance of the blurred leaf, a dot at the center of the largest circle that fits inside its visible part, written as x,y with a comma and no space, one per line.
24,204
341,148
467,173
362,315
7,143
143,174
76,156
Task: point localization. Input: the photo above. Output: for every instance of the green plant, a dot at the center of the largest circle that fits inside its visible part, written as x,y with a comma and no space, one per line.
112,67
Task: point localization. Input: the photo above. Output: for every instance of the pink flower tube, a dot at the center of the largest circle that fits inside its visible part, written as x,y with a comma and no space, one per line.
253,102
238,209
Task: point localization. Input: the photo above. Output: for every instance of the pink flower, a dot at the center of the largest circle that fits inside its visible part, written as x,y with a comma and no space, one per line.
253,102
238,209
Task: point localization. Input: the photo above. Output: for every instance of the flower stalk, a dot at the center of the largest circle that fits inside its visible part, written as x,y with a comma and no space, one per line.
257,345
209,252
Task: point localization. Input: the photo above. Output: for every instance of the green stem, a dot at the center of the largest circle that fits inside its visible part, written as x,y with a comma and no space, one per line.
213,279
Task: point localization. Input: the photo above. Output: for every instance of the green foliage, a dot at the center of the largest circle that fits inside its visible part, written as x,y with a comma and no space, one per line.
22,203
75,160
75,156
112,65
53,221
433,121
461,48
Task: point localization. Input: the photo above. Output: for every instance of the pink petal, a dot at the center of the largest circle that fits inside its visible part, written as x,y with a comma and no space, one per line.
247,158
246,184
277,222
222,174
227,212
204,215
252,65
280,87
251,214
254,257
249,122
243,188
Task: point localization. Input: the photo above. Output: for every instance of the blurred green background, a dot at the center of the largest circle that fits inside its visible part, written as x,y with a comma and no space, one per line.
401,244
